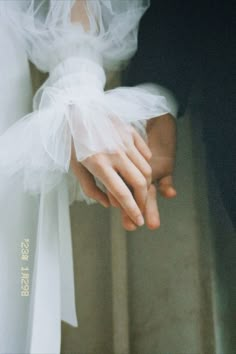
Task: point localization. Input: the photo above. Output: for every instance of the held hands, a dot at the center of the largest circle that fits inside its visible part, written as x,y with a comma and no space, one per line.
161,134
127,175
117,171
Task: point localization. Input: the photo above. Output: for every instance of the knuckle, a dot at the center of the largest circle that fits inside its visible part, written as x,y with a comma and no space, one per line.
149,154
148,172
89,192
98,161
118,152
121,195
140,183
135,214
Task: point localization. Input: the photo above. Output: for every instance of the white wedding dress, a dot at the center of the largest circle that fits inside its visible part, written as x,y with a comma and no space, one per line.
36,184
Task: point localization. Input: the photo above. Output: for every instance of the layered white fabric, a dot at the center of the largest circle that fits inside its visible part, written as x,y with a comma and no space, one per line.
159,90
72,106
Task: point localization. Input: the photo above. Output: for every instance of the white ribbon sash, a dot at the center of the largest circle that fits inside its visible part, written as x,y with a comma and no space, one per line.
52,298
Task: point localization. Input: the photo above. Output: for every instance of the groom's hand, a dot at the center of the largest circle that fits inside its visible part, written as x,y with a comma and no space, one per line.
161,133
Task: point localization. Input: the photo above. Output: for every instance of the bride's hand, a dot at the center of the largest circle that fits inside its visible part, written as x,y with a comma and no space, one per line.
126,174
161,134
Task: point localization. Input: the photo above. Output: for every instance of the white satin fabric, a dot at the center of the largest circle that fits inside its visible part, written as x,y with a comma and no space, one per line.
35,150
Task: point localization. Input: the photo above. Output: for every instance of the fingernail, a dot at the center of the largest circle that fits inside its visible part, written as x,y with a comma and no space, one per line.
105,204
131,228
140,220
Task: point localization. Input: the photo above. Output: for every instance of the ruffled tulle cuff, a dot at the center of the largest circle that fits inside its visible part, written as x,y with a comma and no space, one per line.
72,108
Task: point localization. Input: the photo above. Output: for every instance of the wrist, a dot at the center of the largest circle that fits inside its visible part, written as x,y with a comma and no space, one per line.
74,77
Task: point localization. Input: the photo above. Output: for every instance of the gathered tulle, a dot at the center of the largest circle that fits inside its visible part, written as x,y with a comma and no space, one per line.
72,107
49,36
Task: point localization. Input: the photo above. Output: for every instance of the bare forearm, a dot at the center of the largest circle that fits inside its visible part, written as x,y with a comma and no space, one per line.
79,14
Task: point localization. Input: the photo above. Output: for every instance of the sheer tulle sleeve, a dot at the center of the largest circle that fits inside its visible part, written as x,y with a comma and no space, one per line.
77,44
